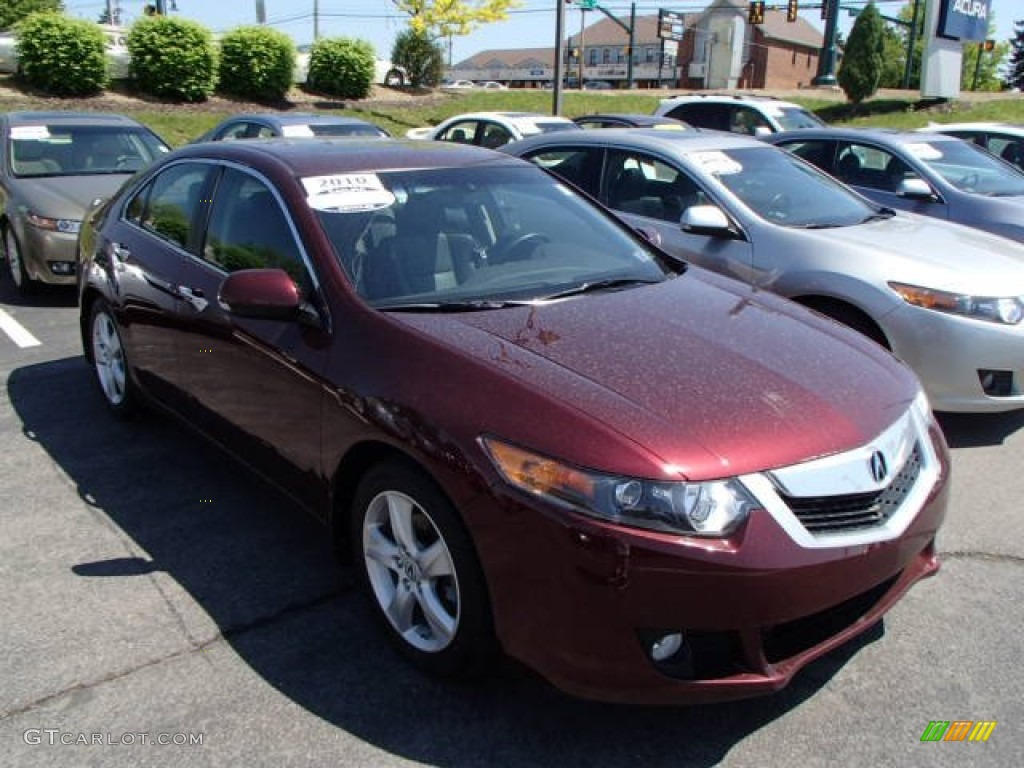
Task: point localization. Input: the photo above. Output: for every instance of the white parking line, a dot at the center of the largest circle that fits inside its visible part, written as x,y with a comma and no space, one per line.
19,334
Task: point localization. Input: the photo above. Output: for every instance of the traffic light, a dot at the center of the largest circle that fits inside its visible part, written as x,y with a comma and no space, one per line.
756,13
792,10
988,46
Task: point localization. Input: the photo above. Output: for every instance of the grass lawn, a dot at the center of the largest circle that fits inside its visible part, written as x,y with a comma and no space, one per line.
179,124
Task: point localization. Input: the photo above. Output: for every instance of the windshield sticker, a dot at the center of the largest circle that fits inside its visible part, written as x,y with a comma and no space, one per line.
924,151
30,132
716,163
347,193
297,131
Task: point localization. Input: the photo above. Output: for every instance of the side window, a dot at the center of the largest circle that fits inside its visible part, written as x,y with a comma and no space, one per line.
264,132
168,204
815,152
1008,149
494,136
703,115
249,230
579,166
460,133
646,186
746,120
868,166
234,131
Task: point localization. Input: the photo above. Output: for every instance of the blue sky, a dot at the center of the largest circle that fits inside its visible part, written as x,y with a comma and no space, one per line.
531,25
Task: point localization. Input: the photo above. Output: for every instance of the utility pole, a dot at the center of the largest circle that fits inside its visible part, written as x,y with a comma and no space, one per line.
827,56
556,98
911,41
632,41
316,20
582,48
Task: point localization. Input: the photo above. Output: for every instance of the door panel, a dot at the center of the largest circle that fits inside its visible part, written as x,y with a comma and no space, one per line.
255,384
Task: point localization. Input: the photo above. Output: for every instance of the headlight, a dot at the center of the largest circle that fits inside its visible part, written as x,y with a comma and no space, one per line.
70,226
712,508
1007,310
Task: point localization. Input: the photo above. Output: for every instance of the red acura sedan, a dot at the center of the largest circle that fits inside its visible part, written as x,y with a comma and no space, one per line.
531,430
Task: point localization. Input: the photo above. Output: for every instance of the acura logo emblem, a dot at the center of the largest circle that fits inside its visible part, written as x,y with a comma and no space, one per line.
879,470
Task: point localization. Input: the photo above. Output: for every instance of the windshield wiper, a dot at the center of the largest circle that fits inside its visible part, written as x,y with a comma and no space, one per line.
593,286
880,215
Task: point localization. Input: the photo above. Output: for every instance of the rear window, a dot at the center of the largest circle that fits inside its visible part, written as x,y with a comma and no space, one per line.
793,118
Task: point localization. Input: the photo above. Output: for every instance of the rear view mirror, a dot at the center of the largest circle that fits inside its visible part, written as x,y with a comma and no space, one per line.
915,189
706,220
268,294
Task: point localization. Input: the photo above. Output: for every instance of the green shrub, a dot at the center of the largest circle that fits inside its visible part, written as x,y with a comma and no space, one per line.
62,56
861,69
256,63
173,58
342,67
421,58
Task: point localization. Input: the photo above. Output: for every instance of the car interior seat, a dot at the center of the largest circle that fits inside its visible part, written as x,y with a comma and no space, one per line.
848,168
1012,153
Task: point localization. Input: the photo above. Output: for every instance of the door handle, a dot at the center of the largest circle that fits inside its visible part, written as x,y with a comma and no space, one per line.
193,296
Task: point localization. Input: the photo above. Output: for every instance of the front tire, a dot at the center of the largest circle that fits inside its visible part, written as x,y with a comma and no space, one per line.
23,284
109,361
419,568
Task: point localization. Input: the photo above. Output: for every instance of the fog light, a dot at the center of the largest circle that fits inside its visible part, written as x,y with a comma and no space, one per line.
666,646
996,383
62,267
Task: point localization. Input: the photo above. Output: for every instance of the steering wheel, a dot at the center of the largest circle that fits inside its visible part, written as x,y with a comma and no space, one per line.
509,251
970,181
779,206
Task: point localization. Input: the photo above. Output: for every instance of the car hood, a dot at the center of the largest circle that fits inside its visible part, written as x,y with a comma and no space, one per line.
712,378
937,254
66,197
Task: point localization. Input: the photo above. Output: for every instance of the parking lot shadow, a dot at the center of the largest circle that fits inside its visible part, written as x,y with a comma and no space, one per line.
973,430
263,571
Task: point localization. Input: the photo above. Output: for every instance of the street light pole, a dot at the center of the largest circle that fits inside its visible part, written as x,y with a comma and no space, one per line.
556,99
827,56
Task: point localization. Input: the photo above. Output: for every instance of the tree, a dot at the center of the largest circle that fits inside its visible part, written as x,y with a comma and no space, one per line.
862,60
982,74
421,57
444,18
13,11
1015,70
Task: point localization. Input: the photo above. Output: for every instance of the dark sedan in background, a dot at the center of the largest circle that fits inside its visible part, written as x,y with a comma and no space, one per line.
532,430
295,125
927,173
53,165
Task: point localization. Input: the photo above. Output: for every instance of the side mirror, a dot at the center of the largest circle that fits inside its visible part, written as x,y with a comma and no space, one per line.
915,189
762,130
706,220
266,294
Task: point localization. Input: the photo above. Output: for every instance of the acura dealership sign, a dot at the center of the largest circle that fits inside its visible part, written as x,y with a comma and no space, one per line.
964,19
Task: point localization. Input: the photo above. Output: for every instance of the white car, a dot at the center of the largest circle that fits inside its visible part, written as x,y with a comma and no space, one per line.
458,85
117,51
492,85
493,129
1004,140
738,113
385,73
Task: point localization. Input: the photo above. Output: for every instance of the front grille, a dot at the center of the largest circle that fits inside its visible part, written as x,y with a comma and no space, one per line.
853,511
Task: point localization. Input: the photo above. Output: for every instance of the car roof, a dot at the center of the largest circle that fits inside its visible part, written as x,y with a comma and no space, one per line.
675,142
638,119
323,156
299,118
890,136
978,126
508,116
69,118
730,98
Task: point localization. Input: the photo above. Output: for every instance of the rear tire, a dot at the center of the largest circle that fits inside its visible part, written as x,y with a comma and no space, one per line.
418,566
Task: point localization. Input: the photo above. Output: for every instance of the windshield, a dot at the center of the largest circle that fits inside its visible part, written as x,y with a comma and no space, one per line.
783,189
792,118
968,168
62,150
444,238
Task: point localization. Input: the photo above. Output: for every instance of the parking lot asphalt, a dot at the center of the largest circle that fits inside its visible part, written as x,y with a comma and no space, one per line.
154,590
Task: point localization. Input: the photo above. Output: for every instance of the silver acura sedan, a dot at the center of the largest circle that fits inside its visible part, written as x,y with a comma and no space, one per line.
946,299
927,173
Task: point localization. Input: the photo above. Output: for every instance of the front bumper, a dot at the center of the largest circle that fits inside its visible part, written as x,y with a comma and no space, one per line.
49,257
580,601
950,354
